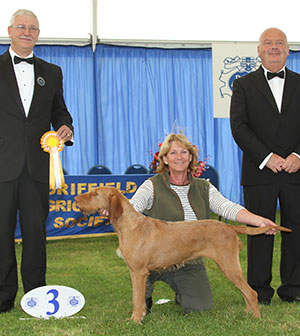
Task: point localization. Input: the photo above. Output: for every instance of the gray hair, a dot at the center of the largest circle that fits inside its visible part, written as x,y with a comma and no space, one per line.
23,12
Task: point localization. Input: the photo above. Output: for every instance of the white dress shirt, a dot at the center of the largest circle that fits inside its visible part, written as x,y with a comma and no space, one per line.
276,85
25,78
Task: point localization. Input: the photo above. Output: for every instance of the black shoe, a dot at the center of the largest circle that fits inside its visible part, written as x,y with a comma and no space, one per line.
177,299
265,302
149,304
6,306
291,299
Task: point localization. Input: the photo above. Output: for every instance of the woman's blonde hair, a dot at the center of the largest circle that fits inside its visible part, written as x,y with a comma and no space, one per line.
182,140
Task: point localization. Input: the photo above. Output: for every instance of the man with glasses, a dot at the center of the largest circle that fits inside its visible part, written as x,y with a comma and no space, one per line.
32,99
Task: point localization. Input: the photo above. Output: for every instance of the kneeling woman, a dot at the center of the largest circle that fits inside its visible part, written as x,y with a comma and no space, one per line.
175,195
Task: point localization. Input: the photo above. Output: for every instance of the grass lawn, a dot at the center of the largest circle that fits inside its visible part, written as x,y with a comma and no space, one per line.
91,266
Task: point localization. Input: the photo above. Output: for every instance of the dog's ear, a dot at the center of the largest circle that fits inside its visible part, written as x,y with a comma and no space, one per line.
116,208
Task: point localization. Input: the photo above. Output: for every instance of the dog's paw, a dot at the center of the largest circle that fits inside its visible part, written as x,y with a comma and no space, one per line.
138,317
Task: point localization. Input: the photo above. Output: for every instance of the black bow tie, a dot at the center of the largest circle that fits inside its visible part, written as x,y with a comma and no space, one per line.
18,60
271,75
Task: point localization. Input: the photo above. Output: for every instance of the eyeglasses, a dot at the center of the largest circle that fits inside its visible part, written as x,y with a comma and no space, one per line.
22,28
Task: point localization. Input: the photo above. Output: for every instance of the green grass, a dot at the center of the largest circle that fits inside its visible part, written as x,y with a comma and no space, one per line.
91,266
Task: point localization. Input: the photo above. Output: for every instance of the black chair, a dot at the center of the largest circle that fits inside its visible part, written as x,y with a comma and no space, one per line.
99,169
136,169
212,175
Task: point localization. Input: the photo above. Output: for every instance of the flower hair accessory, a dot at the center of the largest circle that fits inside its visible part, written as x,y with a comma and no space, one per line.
155,162
200,168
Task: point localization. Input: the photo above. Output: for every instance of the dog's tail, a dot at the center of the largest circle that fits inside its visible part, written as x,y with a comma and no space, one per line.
252,231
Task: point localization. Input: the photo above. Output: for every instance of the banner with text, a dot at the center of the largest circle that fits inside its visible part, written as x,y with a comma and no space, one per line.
65,219
230,61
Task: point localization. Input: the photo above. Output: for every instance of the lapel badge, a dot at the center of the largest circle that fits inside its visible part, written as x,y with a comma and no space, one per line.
41,81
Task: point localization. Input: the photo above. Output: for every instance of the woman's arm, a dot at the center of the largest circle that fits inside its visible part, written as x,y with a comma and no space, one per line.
141,200
221,206
233,211
247,217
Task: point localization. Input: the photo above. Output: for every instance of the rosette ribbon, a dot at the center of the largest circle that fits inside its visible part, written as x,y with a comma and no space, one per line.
51,143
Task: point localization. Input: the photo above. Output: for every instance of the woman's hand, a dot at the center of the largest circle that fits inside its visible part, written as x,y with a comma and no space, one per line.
262,222
103,212
247,217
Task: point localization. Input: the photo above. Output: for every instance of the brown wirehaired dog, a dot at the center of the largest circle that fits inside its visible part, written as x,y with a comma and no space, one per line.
151,244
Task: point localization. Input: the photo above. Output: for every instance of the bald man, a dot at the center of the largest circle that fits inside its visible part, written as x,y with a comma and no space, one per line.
265,123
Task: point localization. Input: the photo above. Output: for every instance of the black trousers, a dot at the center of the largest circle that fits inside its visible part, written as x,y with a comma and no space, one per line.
262,200
30,199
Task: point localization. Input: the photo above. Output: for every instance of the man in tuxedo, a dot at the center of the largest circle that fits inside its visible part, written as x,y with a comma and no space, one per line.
31,100
265,123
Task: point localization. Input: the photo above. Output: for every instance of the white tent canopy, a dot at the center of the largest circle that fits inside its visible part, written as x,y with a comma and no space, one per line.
181,23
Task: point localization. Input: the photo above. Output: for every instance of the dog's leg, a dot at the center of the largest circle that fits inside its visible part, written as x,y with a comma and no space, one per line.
138,280
249,295
232,269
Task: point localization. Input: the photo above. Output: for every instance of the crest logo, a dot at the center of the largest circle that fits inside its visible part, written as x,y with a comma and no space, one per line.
235,67
32,302
74,301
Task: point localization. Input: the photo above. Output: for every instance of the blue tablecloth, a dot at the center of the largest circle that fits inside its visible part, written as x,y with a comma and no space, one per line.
65,219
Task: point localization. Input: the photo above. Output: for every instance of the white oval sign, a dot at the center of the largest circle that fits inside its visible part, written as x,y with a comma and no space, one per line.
52,301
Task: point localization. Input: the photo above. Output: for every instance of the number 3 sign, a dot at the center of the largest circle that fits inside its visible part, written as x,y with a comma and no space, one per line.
52,301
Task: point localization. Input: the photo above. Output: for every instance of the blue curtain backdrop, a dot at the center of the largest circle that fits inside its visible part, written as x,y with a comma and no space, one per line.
124,100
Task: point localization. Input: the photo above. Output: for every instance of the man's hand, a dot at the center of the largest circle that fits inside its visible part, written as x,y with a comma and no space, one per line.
291,164
64,133
275,163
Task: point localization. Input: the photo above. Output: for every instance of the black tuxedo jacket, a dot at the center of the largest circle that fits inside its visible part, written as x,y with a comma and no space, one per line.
259,128
20,135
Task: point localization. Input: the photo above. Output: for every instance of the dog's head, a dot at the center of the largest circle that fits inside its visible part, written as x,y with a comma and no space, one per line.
107,198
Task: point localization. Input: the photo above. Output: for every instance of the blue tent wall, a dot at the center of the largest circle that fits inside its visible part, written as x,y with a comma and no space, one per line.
124,100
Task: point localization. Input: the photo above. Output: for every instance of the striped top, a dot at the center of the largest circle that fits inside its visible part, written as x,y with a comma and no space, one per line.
143,200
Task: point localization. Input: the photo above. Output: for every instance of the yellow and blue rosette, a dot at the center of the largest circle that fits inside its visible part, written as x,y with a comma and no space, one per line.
51,144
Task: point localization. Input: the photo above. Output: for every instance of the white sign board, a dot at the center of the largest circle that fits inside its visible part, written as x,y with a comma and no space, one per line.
52,301
230,61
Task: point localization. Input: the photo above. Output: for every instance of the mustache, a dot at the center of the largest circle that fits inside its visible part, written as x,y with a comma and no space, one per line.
26,37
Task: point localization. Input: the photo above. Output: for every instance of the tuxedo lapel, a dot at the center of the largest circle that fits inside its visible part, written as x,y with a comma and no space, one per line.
39,84
262,85
8,74
290,86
